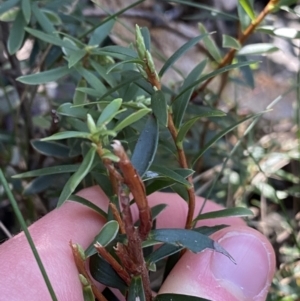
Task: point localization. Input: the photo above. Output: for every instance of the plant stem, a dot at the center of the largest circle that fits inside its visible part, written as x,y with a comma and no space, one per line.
183,163
227,59
27,234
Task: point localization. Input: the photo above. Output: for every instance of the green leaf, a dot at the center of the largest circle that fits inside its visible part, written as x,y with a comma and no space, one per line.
91,79
210,44
43,20
66,135
170,174
106,235
136,289
230,42
159,107
50,148
102,271
167,250
131,61
101,33
190,239
258,48
47,171
248,7
17,33
213,74
188,124
26,9
77,177
146,146
10,15
177,297
103,73
237,212
119,52
109,112
287,32
131,119
45,76
220,135
53,17
180,103
67,109
7,5
42,183
75,57
175,56
80,97
50,38
87,203
213,11
146,36
244,19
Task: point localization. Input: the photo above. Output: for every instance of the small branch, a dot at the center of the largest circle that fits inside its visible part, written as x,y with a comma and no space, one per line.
136,187
132,255
243,37
117,216
183,163
113,262
79,259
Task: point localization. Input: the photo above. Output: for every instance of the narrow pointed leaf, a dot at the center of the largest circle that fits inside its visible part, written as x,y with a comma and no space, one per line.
7,5
213,74
230,42
66,135
188,124
183,49
248,8
17,33
50,38
40,184
219,136
101,32
236,212
43,20
103,72
75,57
180,103
91,79
45,76
131,61
47,171
258,48
51,148
160,107
106,235
210,44
136,290
79,97
171,174
87,203
146,146
102,271
192,240
26,9
131,119
77,177
109,112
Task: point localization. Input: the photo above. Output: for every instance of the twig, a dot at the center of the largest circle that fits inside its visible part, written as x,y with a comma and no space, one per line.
227,59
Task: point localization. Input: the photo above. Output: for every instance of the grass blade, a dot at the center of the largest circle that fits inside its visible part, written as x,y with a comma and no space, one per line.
27,234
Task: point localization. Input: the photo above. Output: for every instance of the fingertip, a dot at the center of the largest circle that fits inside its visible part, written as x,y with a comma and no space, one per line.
213,276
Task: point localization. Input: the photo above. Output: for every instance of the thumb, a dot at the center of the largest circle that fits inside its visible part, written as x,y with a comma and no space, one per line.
213,276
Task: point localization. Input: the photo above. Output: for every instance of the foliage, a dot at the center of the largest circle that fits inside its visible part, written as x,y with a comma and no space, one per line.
119,126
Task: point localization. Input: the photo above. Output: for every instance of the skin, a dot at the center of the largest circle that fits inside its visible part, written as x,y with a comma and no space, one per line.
207,274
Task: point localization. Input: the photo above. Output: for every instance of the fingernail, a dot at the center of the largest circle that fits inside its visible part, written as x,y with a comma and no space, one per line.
249,277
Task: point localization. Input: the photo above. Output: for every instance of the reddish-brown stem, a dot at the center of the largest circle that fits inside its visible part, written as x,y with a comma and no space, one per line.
227,59
113,262
79,261
183,163
117,216
136,187
132,255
